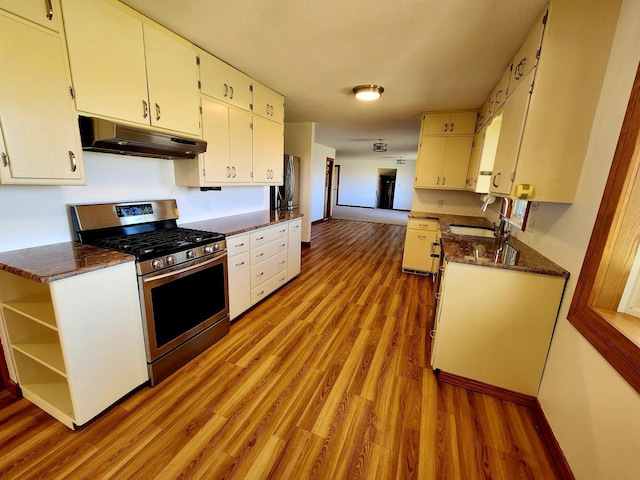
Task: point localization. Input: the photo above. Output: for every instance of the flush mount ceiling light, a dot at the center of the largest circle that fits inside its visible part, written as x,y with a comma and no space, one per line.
368,92
380,146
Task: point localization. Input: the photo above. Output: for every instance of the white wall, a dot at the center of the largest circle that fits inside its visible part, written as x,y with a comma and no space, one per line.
299,141
36,215
319,172
594,413
359,182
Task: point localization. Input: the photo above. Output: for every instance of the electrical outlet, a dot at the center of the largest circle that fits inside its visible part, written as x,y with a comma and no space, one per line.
534,206
440,203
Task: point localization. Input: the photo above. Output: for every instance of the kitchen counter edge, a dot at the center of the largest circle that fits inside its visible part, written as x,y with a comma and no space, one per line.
244,222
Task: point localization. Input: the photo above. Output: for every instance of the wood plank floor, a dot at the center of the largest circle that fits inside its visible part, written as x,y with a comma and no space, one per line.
326,379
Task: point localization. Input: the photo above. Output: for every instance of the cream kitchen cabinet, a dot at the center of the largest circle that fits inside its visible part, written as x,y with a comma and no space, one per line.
76,344
223,82
229,156
513,115
421,246
35,97
448,123
267,103
125,68
268,151
528,55
45,13
483,156
443,162
294,243
500,334
239,271
268,258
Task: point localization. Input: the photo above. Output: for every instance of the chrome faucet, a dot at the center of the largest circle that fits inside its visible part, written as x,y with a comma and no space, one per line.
504,229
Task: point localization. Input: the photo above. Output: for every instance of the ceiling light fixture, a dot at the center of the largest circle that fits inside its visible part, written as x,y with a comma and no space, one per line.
368,92
380,146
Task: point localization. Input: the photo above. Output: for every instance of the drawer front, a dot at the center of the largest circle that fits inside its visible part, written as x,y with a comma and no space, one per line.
267,269
269,234
271,285
237,244
260,254
423,224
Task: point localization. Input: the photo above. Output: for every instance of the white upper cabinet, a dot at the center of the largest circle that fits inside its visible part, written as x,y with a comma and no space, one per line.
267,103
268,151
40,128
223,82
45,13
527,57
449,123
114,57
172,78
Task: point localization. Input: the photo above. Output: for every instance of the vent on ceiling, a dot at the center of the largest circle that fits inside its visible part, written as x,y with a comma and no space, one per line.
380,146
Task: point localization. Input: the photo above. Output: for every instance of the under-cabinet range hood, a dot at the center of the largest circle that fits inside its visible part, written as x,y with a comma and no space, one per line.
100,135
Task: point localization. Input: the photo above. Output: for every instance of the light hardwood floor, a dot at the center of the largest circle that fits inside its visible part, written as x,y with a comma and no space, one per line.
326,379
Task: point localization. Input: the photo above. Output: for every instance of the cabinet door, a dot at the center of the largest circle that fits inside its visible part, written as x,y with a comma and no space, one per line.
261,100
45,13
435,123
215,129
106,53
456,162
277,104
474,161
462,123
417,250
514,114
527,57
268,150
240,145
239,89
239,284
213,77
430,157
294,248
42,143
172,75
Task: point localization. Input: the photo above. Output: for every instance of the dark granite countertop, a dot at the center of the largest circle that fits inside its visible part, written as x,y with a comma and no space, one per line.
61,260
489,252
237,224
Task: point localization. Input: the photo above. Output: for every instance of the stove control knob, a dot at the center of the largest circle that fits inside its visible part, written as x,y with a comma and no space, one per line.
157,263
191,254
209,248
171,260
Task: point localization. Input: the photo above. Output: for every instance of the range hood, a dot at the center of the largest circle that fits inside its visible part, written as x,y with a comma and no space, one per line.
108,137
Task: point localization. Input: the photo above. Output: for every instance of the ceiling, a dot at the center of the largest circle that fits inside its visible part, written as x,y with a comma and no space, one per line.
427,54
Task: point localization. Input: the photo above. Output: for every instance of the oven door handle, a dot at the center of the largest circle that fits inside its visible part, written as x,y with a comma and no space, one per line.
194,266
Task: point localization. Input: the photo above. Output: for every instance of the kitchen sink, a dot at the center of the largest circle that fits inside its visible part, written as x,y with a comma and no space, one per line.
473,231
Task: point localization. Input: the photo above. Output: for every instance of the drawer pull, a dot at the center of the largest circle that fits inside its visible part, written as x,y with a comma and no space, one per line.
260,274
260,255
239,244
239,264
260,238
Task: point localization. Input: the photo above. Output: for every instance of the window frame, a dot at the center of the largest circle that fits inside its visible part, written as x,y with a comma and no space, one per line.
606,329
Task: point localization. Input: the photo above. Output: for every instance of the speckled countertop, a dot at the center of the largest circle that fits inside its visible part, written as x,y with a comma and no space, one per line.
489,252
236,224
61,260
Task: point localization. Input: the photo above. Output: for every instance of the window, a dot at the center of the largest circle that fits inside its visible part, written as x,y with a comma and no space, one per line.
610,257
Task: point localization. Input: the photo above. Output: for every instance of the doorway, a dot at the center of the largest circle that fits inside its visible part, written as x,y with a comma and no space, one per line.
386,187
328,183
336,185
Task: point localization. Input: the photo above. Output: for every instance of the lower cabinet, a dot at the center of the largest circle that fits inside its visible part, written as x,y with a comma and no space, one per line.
421,246
260,262
500,333
76,344
239,274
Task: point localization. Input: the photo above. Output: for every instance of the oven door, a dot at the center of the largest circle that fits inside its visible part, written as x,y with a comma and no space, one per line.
179,304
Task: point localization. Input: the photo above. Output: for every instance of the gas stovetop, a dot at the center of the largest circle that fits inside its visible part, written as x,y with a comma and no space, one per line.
158,242
147,230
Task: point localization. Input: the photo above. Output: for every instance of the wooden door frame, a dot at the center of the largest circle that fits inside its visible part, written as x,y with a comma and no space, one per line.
328,179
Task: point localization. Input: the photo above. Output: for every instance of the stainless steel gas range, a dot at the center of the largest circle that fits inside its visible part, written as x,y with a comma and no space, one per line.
182,276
